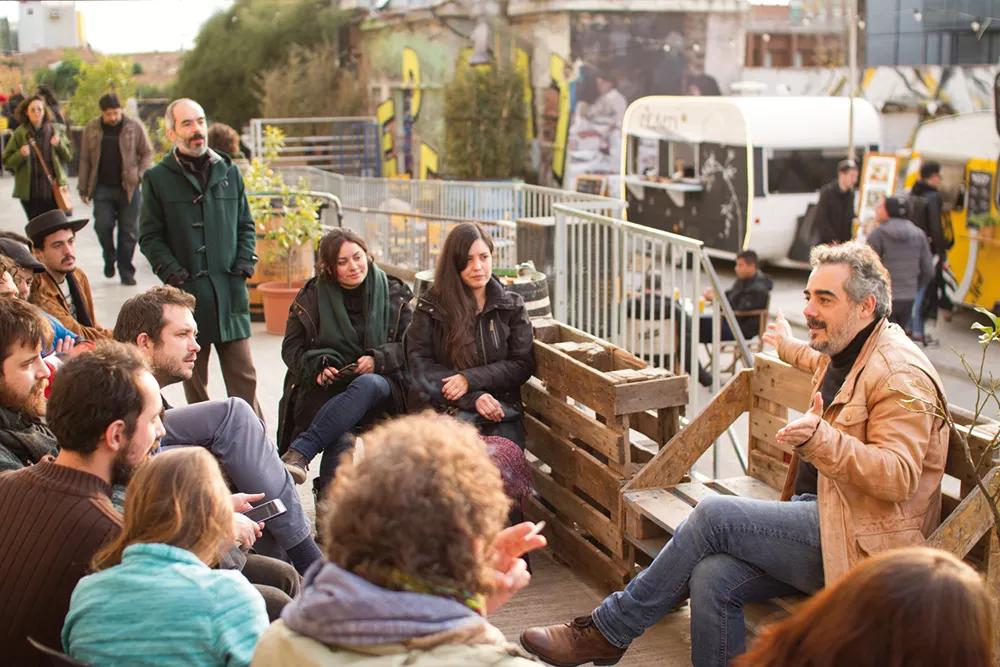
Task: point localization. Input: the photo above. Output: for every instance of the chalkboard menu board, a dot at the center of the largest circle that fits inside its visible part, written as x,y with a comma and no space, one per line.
978,198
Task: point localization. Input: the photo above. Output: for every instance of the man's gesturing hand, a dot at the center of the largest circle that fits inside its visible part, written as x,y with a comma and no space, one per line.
796,432
777,331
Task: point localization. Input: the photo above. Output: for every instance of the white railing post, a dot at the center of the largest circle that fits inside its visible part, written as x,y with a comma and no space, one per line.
560,261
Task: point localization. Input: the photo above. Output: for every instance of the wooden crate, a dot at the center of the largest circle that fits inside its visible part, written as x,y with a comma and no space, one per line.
580,412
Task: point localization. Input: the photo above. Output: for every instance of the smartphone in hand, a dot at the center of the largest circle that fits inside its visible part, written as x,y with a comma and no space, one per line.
266,511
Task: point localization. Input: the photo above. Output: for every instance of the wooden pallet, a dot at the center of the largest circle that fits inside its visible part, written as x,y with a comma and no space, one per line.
582,410
657,500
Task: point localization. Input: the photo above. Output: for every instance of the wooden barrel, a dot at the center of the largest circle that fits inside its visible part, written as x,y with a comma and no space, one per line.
535,291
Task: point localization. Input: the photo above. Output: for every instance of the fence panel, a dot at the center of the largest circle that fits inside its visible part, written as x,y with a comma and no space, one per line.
345,145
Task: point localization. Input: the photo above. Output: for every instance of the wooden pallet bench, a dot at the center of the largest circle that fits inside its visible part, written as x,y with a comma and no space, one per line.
593,415
657,499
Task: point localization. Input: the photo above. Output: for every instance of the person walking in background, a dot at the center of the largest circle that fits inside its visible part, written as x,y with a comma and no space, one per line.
154,599
196,231
37,149
114,152
224,140
926,215
52,102
905,254
11,105
834,216
916,607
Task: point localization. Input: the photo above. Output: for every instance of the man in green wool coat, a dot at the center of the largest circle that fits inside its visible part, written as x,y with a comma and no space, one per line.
196,230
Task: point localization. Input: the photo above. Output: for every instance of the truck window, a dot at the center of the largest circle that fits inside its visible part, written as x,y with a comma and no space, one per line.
801,170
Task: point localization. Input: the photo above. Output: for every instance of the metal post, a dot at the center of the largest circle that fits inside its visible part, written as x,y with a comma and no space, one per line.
852,70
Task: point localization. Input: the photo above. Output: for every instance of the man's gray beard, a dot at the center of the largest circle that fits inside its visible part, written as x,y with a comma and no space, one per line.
184,150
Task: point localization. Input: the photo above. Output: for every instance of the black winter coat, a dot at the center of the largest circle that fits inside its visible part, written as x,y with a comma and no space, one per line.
834,214
300,401
504,347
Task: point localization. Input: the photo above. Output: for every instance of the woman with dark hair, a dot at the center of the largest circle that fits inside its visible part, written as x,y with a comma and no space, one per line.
52,102
38,145
469,348
914,607
344,352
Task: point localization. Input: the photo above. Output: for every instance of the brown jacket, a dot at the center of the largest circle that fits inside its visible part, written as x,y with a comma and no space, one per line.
46,295
880,464
137,155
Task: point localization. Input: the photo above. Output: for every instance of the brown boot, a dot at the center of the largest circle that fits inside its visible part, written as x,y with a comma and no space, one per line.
571,644
296,465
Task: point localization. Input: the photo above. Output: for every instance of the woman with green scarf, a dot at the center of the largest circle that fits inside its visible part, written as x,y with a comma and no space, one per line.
344,352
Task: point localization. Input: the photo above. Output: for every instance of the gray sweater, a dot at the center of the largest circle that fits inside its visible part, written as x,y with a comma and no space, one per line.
906,255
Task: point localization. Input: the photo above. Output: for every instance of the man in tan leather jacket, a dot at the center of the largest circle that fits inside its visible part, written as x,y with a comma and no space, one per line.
865,477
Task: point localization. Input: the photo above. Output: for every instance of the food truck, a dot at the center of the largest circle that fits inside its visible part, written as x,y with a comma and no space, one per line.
738,172
967,147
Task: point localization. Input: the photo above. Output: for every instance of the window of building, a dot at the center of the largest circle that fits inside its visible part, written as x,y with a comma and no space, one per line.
802,170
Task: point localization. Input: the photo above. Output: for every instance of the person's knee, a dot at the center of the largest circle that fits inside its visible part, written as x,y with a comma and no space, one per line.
712,511
240,412
373,385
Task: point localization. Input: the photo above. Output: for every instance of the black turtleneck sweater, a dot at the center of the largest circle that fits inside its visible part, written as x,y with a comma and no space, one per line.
200,166
840,365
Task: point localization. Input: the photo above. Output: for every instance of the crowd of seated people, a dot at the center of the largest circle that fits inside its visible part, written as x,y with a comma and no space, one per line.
123,538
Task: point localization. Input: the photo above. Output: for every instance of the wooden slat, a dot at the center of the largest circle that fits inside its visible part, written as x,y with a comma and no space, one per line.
746,487
650,546
573,464
572,422
692,492
577,510
969,522
660,506
764,426
956,465
572,378
767,469
665,392
774,380
676,458
572,548
757,615
589,353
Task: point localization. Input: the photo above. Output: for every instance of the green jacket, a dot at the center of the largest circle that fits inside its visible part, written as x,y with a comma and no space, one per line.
21,166
207,234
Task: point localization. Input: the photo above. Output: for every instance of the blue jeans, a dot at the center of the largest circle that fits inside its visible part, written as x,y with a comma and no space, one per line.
341,414
728,552
111,205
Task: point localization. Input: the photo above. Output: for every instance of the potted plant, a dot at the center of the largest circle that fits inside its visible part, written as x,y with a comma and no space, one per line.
288,229
986,224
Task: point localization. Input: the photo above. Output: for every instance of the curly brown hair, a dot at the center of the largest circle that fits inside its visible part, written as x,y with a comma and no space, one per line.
425,500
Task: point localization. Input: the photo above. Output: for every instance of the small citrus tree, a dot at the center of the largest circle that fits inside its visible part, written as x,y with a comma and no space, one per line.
111,74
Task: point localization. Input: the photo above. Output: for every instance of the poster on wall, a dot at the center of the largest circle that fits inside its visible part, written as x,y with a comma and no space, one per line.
878,178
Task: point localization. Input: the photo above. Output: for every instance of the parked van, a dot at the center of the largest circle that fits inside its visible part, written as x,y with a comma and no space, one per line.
737,172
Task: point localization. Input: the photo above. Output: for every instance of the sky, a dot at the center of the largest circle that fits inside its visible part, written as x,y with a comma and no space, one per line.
136,26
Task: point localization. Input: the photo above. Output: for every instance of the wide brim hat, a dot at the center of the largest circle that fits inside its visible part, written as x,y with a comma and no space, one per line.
18,252
51,221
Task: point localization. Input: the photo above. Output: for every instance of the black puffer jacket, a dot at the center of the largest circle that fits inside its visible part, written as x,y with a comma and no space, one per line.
300,403
505,354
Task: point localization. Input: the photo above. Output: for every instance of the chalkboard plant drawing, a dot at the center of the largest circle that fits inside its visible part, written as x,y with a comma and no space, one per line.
731,211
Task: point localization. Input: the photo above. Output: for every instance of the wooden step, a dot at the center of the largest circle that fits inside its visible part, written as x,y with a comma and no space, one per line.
693,492
659,506
745,487
650,546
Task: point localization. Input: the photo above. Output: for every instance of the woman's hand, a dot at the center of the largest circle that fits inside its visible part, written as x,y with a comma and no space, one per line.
454,387
366,364
54,140
25,150
243,502
489,408
65,345
511,572
326,376
246,530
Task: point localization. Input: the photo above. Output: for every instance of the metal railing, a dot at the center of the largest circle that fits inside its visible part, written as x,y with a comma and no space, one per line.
346,145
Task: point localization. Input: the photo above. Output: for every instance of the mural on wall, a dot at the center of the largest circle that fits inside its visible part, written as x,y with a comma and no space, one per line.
554,126
385,114
618,58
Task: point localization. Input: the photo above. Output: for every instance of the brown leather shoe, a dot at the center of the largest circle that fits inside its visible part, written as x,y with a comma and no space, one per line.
296,465
571,644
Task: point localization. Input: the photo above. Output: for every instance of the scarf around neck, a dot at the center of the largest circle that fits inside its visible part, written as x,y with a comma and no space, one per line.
337,337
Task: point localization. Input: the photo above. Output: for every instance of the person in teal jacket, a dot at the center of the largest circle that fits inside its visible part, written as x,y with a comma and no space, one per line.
154,599
196,230
30,183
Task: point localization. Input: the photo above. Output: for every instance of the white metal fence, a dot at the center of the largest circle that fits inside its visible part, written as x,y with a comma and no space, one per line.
346,145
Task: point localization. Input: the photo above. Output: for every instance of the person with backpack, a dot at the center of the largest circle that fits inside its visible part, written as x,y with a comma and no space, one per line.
925,212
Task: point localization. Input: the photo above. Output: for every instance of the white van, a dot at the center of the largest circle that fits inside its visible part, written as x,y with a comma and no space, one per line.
737,172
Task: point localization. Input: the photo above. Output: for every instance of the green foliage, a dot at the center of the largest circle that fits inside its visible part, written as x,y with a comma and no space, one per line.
485,123
982,220
222,71
305,84
987,334
62,78
111,74
281,213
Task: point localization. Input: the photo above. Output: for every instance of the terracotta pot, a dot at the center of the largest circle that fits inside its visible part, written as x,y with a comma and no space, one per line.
277,297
